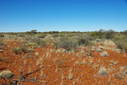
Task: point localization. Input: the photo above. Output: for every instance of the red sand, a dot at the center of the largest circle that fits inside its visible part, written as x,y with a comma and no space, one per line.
61,68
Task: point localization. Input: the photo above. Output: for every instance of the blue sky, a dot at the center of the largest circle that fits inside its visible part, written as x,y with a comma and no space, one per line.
62,15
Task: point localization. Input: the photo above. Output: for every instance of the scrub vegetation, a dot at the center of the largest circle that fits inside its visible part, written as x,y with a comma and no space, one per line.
63,58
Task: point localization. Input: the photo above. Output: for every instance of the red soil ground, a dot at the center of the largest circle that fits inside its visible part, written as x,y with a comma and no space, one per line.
60,68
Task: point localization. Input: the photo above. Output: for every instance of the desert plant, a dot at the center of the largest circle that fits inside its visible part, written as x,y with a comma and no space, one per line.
66,43
30,44
20,50
41,43
120,40
6,74
2,45
1,35
49,39
17,50
84,39
109,34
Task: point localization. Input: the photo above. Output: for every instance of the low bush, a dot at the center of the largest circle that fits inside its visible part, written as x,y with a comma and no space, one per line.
2,45
41,43
17,50
20,50
85,39
66,43
1,35
121,41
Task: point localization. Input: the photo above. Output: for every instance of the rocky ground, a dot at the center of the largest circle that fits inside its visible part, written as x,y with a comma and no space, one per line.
101,64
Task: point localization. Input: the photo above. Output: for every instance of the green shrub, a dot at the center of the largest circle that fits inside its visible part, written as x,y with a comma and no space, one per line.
17,50
66,43
20,50
121,41
41,43
41,36
2,45
84,39
103,34
30,44
1,35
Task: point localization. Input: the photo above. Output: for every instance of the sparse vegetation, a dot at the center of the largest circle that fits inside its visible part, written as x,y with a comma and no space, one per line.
72,57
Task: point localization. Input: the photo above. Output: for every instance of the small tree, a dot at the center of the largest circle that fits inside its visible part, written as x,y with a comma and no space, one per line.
33,31
109,34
